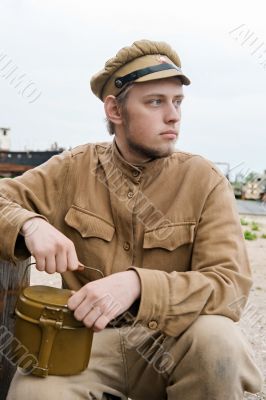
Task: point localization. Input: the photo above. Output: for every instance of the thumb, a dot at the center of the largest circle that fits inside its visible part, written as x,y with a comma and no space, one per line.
81,266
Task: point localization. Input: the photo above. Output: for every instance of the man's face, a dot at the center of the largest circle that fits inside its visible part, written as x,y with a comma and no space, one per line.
151,119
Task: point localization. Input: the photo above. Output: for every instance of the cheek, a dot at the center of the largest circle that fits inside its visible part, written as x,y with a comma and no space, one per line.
145,125
136,125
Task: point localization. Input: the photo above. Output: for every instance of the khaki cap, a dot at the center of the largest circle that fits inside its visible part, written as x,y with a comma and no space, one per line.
144,61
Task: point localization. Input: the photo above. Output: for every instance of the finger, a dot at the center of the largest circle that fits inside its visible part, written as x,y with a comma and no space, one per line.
113,311
82,310
110,306
101,323
92,316
50,264
40,263
76,299
72,259
61,262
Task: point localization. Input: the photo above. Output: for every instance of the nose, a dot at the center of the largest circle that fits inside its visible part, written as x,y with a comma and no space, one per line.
172,113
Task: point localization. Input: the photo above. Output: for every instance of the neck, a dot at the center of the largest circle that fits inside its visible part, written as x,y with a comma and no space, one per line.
130,155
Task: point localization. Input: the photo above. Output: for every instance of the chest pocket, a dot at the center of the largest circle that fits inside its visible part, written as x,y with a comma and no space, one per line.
93,238
169,248
89,225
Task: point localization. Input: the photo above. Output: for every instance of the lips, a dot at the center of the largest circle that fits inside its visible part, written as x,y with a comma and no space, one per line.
171,134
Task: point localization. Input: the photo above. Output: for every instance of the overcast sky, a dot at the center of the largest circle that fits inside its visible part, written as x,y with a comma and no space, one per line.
57,45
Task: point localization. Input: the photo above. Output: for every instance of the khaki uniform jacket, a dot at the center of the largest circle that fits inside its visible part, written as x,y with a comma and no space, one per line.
172,219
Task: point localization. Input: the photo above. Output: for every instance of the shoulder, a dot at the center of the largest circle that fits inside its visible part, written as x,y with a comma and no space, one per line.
86,155
194,170
196,162
89,149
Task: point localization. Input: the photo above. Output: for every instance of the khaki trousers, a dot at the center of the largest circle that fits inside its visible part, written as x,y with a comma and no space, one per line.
210,361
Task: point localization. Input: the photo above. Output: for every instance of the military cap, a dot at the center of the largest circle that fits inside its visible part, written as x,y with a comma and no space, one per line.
144,60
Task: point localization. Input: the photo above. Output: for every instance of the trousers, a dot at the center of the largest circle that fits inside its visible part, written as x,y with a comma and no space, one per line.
211,360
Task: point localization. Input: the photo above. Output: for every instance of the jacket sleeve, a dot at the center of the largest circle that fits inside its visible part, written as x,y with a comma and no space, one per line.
219,279
36,193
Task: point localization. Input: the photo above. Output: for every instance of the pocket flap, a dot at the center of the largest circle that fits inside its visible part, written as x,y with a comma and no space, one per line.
169,237
89,224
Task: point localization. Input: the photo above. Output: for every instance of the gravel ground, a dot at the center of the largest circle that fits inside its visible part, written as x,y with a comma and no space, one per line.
253,321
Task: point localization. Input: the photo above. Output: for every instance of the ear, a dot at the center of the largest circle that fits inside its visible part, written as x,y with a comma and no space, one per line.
112,110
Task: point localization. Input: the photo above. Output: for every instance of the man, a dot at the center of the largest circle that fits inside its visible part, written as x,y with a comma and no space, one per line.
160,226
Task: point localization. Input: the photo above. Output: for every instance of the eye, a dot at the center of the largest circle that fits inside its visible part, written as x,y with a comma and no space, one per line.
177,103
155,102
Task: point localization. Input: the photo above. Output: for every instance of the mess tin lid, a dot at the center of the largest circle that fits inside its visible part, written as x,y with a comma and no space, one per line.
48,302
47,295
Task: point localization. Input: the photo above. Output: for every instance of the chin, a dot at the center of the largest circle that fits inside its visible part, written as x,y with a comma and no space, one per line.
160,153
168,150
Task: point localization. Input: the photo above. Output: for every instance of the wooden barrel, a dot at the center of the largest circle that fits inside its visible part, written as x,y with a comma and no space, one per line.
12,279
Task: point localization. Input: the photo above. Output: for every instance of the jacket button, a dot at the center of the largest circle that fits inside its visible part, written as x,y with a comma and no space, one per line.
135,173
153,325
126,246
130,195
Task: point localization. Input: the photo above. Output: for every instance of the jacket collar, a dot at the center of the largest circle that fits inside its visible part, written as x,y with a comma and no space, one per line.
152,167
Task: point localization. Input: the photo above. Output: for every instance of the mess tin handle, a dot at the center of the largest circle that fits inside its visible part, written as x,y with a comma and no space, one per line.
50,328
80,269
34,263
21,288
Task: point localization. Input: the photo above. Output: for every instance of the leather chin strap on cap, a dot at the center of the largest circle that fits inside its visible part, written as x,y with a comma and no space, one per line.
121,81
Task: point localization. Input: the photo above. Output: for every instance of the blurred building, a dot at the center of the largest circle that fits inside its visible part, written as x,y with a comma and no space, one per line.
4,139
14,163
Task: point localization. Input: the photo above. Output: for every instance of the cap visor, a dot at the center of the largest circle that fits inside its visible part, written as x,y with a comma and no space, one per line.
164,74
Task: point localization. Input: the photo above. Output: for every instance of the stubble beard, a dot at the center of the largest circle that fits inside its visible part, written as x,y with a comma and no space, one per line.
146,151
143,150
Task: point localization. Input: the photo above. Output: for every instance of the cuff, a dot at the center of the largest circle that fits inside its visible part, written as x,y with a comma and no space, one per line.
154,299
12,247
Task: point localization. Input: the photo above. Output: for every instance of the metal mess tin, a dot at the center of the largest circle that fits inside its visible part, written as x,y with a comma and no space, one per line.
50,333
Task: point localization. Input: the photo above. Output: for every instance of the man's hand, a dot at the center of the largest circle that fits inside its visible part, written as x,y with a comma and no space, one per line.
53,251
100,301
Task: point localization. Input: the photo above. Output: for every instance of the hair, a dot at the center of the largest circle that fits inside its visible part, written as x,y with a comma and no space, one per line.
121,100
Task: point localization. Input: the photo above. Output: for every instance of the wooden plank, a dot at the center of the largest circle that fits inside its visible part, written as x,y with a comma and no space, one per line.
12,280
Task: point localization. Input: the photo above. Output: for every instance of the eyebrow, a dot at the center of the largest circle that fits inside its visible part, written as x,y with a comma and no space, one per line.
180,96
